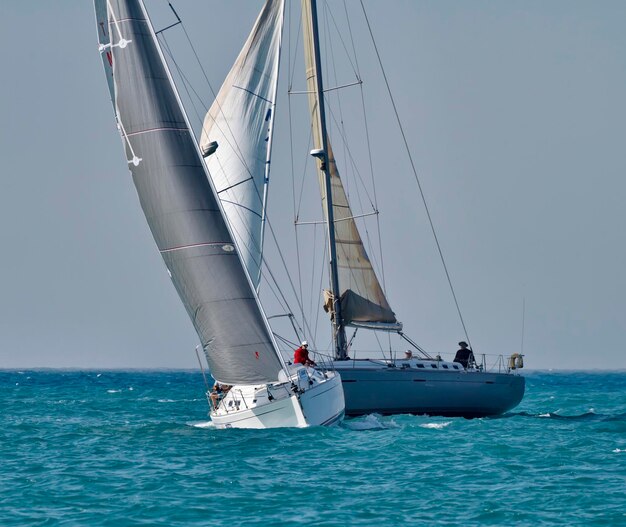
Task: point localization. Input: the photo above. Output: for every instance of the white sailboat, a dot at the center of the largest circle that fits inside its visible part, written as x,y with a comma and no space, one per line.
423,384
196,242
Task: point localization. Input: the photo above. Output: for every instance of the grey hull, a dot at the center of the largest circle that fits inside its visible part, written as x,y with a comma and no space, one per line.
377,388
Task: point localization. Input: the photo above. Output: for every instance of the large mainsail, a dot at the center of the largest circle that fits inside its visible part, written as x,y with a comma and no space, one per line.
178,201
363,301
240,121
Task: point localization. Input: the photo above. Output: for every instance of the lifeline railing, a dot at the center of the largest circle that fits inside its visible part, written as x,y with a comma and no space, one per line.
492,363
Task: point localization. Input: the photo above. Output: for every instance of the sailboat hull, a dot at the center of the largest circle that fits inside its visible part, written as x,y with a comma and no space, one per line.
378,387
318,404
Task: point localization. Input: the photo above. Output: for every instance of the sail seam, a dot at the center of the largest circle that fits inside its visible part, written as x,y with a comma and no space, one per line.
193,245
252,93
223,200
166,129
131,19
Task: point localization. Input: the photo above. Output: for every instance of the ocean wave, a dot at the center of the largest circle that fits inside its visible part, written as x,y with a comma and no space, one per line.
590,415
369,422
436,426
202,424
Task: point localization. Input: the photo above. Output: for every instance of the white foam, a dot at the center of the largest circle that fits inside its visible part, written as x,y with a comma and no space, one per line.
202,424
114,391
544,415
166,400
436,426
618,450
369,422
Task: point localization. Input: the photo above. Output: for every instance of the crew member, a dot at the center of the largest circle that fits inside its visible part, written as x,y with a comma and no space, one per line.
301,355
464,356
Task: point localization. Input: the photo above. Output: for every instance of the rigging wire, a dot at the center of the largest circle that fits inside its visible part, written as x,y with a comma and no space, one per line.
523,324
329,15
189,86
353,163
322,269
297,207
341,130
419,185
313,260
290,73
265,269
293,288
251,250
369,151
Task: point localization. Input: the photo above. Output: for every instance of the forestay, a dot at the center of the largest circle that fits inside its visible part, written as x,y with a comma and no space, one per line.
178,201
240,120
362,299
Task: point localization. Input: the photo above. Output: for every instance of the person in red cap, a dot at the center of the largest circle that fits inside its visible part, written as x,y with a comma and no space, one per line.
301,355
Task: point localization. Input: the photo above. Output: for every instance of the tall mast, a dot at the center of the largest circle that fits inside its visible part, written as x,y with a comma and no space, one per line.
339,333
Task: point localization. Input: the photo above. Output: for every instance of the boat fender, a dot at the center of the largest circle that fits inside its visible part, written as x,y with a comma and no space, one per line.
513,361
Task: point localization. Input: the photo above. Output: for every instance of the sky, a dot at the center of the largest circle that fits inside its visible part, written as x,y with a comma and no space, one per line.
515,117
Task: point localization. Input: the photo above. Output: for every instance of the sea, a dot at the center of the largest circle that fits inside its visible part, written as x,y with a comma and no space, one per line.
125,448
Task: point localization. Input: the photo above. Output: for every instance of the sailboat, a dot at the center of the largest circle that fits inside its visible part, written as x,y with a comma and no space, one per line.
196,242
237,121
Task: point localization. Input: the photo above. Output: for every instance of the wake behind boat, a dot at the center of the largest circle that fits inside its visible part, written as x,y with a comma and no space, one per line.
195,241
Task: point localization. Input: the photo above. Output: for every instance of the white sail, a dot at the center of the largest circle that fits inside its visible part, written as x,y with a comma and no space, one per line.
240,121
363,301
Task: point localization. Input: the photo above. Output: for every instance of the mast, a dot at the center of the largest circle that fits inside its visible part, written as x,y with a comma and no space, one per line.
339,334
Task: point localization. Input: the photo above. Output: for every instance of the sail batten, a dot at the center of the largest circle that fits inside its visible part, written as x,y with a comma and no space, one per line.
182,211
240,120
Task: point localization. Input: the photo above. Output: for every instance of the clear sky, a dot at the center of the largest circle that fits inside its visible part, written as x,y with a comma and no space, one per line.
516,118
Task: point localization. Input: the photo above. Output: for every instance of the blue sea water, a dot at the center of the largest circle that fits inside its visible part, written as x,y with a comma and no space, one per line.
135,448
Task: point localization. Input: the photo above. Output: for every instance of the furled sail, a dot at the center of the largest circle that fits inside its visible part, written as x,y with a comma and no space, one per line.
178,201
362,299
240,121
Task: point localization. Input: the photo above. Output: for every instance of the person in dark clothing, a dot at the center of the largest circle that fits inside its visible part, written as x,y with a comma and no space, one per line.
464,356
216,394
301,355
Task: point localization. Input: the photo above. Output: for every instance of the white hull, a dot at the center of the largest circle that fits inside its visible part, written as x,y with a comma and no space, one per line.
317,400
377,387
